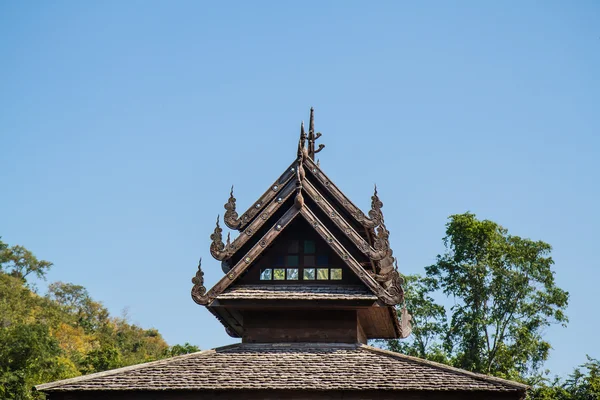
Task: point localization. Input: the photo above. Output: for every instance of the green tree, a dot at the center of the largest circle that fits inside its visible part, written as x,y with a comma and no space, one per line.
504,296
582,384
180,349
63,334
76,301
429,322
19,262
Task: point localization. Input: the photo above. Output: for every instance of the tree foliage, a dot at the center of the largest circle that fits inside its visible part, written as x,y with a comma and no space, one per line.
19,262
503,296
582,384
63,334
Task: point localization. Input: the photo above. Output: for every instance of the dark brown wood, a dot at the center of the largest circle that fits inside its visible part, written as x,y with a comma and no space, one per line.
325,326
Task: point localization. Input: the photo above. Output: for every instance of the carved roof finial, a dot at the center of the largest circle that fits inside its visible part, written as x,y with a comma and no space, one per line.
376,204
198,290
217,244
302,135
312,136
231,216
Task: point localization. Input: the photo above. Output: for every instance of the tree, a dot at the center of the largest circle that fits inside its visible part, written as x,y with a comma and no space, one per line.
580,385
20,262
429,322
179,349
63,334
76,301
504,296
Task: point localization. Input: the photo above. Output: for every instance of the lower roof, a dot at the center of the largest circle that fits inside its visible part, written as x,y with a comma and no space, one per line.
287,366
297,292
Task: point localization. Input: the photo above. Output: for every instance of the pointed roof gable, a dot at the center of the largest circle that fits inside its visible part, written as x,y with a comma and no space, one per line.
304,191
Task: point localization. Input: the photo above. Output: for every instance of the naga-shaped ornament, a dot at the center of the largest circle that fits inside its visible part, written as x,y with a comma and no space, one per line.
199,294
390,280
231,217
218,249
375,213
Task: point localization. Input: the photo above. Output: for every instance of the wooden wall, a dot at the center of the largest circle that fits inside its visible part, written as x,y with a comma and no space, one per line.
324,326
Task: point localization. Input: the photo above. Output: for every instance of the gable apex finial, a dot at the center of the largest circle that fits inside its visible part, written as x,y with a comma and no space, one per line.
312,136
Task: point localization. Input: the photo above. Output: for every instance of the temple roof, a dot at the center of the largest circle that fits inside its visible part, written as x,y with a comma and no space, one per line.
304,191
288,366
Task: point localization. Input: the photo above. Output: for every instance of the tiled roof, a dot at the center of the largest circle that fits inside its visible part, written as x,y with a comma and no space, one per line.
310,366
298,292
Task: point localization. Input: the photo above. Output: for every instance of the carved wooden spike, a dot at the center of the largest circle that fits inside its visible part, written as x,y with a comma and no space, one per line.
217,244
376,204
198,290
312,136
302,135
231,216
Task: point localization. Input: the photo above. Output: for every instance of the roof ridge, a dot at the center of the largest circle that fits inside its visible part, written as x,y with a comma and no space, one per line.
231,218
449,368
382,293
128,368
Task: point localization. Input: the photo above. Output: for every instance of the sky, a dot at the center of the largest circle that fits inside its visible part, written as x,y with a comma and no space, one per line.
124,124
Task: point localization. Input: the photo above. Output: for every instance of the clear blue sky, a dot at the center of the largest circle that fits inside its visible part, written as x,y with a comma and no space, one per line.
123,125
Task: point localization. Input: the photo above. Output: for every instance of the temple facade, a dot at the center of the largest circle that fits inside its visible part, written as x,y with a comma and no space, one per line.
308,280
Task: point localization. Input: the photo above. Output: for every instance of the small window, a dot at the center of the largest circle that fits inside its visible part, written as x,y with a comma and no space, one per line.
322,274
278,261
309,274
266,274
279,274
336,274
309,261
292,274
309,246
293,246
291,261
322,261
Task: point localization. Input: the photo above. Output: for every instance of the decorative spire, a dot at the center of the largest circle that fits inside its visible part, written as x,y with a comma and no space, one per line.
217,244
302,135
375,213
198,290
312,136
231,216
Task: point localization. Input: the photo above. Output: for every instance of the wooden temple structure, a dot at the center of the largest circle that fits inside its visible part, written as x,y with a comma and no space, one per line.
308,280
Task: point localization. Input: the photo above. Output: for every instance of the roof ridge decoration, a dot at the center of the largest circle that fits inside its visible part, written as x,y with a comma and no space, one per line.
382,277
374,215
389,291
231,218
199,289
312,136
206,297
381,243
221,251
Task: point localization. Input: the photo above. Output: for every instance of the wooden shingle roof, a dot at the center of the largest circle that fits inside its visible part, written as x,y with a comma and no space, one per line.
297,292
287,366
